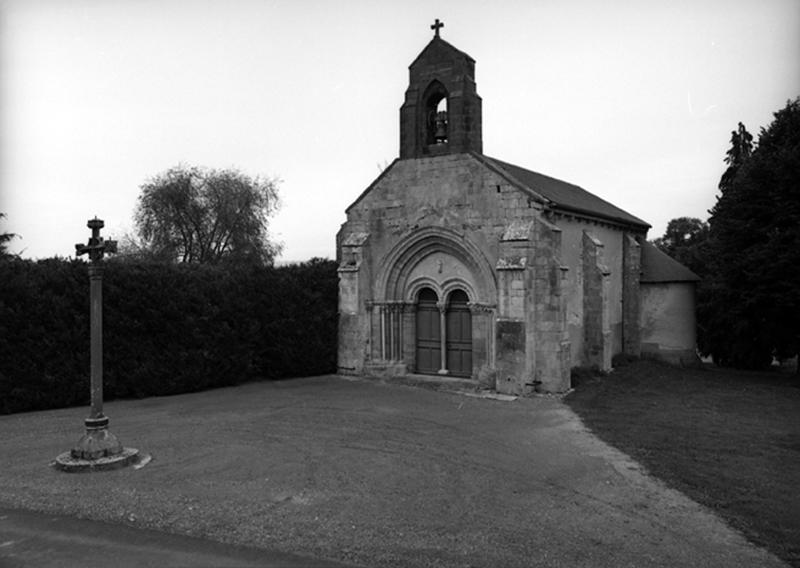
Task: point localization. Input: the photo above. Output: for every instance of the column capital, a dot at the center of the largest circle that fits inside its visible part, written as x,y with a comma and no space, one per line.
478,307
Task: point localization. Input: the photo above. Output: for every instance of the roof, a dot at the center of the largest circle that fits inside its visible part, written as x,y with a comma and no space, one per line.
562,195
658,266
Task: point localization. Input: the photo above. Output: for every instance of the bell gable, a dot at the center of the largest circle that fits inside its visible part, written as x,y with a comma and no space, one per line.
442,110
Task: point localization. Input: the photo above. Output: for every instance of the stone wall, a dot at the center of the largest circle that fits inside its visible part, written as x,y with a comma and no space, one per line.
533,278
631,296
515,273
354,275
597,348
548,313
668,322
611,238
441,69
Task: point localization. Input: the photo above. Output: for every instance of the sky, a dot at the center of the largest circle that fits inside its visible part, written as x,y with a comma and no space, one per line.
634,101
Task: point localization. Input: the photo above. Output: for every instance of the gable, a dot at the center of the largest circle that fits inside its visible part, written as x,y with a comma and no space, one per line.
447,183
370,187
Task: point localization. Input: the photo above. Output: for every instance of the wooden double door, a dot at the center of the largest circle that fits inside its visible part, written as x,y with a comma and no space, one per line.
449,329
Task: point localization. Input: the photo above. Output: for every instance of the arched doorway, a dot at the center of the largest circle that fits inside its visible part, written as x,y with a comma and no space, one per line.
413,286
458,334
449,329
429,343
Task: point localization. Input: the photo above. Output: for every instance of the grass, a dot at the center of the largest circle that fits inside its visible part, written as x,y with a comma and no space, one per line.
728,439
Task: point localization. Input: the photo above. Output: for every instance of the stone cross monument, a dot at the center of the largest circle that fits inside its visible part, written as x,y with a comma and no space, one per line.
98,449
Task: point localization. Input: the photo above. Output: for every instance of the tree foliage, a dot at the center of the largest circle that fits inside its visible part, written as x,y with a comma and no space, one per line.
196,215
5,238
685,240
749,308
740,150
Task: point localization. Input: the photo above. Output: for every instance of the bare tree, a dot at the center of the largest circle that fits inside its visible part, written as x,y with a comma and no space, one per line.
191,214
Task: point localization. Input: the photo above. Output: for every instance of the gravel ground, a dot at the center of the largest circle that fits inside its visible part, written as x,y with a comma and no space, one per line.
372,474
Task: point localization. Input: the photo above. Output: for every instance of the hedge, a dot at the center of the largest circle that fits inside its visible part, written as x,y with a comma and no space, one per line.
168,329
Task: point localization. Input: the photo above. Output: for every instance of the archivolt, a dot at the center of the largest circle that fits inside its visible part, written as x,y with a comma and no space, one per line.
404,256
442,290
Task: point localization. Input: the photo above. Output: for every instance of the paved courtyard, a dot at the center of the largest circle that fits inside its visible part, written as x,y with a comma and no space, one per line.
370,474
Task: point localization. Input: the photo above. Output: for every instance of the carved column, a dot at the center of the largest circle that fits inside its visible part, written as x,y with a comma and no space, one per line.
400,309
408,335
443,336
383,332
392,319
370,305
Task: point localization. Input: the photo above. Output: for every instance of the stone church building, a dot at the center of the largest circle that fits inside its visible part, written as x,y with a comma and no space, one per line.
455,264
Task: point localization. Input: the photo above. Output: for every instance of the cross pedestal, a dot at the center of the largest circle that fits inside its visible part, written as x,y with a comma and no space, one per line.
98,449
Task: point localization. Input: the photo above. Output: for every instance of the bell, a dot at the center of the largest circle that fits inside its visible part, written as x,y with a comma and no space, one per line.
440,132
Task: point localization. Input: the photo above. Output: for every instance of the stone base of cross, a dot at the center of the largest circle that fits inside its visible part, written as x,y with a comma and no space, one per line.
98,450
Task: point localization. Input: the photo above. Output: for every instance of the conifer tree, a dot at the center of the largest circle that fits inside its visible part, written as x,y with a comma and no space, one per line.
749,309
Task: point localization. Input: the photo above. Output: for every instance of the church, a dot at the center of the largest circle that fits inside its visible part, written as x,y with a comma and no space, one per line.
456,264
